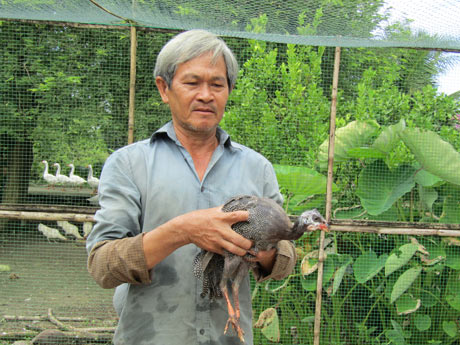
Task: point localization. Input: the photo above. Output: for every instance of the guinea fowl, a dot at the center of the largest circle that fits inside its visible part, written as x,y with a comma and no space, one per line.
267,224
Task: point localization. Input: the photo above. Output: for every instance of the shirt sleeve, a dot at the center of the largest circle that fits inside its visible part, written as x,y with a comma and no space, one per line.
115,250
285,261
114,262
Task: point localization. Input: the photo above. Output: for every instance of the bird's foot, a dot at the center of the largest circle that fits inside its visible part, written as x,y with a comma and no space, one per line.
236,326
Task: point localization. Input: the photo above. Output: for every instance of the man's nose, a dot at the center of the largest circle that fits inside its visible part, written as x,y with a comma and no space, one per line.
205,93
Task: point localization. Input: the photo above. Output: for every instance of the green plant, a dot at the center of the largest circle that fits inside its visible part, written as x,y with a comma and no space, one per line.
406,171
303,188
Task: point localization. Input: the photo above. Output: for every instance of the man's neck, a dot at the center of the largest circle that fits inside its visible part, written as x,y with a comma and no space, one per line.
200,146
197,142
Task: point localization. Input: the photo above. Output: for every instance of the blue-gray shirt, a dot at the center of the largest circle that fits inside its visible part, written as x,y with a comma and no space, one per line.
146,184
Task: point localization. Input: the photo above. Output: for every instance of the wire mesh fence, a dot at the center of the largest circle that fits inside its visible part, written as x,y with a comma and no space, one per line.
64,109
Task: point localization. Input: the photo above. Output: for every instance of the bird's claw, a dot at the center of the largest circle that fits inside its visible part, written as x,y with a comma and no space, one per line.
236,326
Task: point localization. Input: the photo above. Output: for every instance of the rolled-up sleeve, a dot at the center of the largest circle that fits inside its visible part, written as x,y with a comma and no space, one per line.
284,263
115,252
115,262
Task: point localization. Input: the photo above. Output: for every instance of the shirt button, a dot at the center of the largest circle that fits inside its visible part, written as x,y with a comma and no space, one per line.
202,331
202,189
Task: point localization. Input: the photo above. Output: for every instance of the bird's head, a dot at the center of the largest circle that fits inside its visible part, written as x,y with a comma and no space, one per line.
313,220
308,221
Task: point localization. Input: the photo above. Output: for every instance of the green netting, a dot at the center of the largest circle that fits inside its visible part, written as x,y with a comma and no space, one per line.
348,23
64,98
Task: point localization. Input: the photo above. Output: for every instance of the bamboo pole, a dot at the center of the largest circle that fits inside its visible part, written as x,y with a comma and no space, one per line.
132,85
396,231
50,208
319,282
73,217
394,225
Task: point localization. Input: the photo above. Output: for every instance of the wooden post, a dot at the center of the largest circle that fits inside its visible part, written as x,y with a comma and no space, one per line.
45,216
319,283
132,85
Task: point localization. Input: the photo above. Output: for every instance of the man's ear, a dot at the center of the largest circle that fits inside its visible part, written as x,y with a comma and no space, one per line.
162,87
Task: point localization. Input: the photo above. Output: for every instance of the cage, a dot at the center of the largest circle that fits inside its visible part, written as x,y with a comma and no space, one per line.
343,97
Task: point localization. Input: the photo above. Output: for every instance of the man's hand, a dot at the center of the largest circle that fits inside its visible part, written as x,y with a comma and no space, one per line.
265,258
211,230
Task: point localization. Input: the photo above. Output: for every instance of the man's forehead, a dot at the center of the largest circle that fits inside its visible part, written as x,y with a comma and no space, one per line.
217,66
191,75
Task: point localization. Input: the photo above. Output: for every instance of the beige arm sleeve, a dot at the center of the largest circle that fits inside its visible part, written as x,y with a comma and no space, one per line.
115,262
284,263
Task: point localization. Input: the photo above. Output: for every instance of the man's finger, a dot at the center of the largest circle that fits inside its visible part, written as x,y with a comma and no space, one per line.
237,216
232,248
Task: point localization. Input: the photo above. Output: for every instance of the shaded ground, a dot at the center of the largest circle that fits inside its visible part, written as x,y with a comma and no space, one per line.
49,276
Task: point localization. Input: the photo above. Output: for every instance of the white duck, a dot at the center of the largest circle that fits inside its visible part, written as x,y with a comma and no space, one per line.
60,177
49,178
75,179
92,181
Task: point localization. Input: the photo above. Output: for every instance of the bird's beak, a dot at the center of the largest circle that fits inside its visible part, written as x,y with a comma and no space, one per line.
324,227
319,226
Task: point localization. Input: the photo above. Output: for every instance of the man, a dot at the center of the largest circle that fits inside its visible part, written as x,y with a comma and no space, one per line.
161,203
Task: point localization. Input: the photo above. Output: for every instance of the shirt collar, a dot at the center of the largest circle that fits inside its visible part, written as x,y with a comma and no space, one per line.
168,131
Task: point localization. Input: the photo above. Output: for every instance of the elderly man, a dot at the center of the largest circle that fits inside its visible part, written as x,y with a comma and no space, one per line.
160,204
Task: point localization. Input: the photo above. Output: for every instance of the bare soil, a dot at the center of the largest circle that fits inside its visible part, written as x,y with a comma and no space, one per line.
45,276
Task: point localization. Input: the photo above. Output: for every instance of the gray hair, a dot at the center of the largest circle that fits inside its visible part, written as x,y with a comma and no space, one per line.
189,45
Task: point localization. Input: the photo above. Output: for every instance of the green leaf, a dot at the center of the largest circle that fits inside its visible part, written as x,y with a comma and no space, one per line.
339,273
389,137
426,179
378,187
399,258
275,285
368,265
453,257
309,282
428,299
422,322
395,337
301,181
453,300
451,210
433,153
427,197
309,319
450,327
404,282
354,135
365,152
406,304
269,323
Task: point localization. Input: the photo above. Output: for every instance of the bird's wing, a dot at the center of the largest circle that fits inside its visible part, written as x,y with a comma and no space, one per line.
205,259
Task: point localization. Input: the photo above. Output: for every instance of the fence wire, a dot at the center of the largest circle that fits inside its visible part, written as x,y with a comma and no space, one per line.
64,108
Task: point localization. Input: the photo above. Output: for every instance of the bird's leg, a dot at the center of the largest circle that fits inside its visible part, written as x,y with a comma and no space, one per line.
232,267
231,311
234,311
242,272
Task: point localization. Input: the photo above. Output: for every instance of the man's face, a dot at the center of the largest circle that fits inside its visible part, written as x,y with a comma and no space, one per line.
198,93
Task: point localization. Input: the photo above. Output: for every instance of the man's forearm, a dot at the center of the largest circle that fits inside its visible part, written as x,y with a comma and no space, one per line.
115,262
